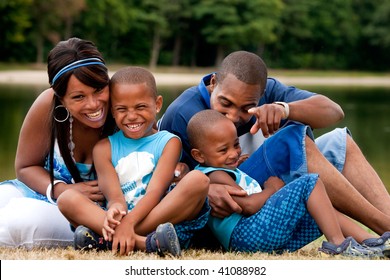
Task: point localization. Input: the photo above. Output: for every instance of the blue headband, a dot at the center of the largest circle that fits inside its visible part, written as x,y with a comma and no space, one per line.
77,64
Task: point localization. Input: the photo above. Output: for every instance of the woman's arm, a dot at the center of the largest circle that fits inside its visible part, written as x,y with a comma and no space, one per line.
34,144
33,148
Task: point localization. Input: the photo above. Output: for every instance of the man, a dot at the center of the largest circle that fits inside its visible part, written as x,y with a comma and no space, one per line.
242,92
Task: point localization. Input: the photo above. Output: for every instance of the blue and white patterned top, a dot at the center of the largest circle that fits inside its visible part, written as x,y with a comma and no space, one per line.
135,160
242,179
61,172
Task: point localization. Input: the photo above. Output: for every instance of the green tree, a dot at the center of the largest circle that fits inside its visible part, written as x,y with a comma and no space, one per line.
104,21
378,29
232,24
316,34
52,20
15,21
180,25
157,17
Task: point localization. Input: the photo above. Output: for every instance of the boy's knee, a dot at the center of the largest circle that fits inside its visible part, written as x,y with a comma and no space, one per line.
68,199
201,180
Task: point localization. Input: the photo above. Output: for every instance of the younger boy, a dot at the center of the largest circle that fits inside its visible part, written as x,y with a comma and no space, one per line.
278,217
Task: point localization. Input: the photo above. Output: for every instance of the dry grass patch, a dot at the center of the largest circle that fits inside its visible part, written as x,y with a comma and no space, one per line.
309,252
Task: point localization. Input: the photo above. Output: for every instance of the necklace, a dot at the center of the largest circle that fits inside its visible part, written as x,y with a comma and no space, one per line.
71,144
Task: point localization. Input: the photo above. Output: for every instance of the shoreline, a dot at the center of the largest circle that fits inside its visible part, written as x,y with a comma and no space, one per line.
39,77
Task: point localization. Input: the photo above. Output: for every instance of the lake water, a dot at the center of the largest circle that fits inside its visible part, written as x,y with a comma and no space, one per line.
367,112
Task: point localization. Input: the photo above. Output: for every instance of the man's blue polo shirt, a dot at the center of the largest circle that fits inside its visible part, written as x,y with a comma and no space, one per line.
197,98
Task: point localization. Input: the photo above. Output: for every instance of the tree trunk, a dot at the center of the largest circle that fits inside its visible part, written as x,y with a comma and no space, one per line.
68,28
155,49
193,52
220,55
260,49
39,46
177,51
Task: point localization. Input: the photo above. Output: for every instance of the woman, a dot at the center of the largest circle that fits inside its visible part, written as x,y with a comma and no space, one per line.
55,145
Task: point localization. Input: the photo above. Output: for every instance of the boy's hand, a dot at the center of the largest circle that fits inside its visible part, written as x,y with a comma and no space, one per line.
243,158
112,220
180,171
124,239
274,182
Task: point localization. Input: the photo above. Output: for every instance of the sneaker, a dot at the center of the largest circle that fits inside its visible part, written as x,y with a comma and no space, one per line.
349,248
163,240
381,243
86,239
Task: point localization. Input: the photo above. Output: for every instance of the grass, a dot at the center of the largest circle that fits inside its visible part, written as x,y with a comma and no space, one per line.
191,254
309,252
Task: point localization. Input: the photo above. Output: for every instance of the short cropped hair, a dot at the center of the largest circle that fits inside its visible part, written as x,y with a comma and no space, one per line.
134,75
245,66
201,124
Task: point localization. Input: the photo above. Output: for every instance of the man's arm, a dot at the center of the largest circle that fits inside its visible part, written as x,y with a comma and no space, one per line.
315,110
222,188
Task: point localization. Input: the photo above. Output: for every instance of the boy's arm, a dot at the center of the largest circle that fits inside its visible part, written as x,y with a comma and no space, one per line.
256,201
107,178
252,203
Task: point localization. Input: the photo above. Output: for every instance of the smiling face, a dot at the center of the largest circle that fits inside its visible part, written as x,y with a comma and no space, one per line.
233,98
220,146
87,105
134,107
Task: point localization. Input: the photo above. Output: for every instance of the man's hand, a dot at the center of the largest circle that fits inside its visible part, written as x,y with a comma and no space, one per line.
221,202
268,118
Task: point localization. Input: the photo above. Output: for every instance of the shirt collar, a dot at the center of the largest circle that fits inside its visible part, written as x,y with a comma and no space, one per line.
203,89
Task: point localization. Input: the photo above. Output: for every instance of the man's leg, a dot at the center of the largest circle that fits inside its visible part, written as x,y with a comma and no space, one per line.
364,178
343,194
339,148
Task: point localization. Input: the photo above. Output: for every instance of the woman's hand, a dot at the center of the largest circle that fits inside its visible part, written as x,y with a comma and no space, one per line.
91,190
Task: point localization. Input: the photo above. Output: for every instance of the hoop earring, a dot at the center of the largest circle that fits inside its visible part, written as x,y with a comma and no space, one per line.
64,119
